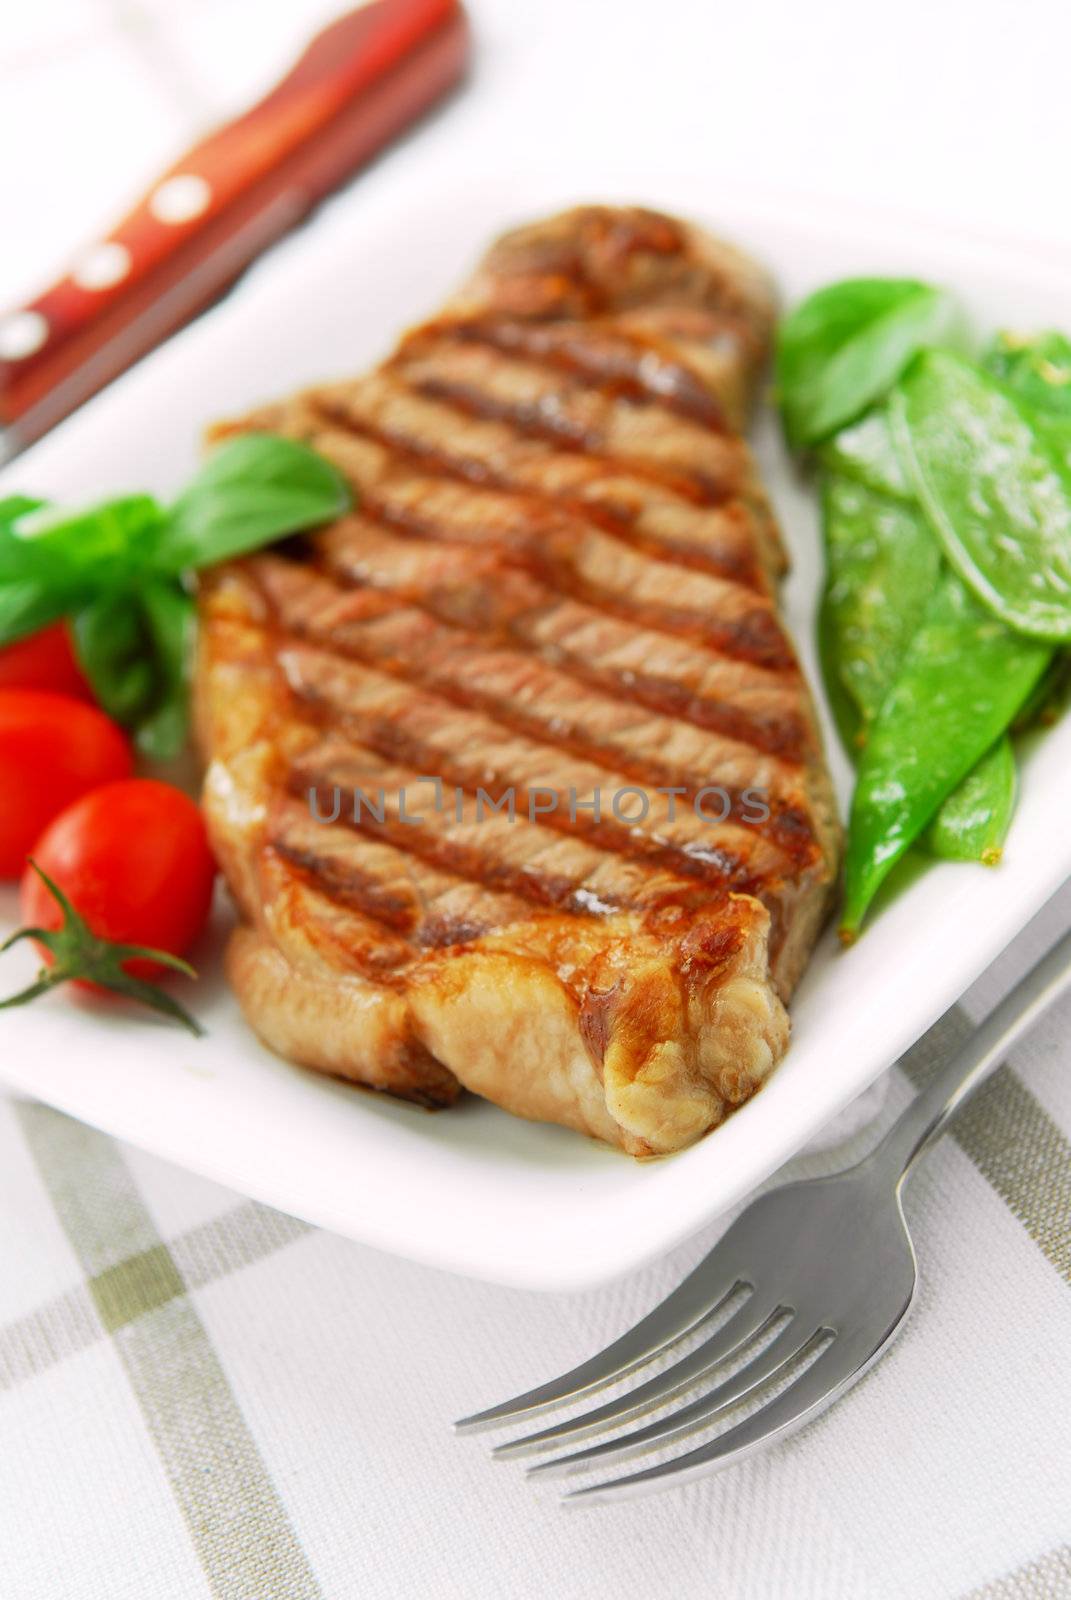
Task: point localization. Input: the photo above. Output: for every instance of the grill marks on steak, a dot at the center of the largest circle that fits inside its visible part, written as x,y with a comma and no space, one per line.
559,578
519,689
471,750
476,589
548,867
622,363
582,562
443,435
562,408
394,444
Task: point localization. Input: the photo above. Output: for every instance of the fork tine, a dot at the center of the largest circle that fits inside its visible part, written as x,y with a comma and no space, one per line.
687,1308
790,1343
823,1381
744,1324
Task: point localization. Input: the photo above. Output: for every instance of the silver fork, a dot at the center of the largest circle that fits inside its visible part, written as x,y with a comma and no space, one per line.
828,1272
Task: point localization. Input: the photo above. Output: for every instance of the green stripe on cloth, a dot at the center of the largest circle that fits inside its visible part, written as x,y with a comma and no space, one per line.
235,1239
58,1329
132,1287
1047,1578
71,1322
236,1520
1012,1140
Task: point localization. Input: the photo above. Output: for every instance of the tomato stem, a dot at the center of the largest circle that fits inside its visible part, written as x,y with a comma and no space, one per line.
79,953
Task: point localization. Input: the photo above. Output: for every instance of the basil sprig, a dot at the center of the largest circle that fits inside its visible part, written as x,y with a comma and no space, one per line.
119,570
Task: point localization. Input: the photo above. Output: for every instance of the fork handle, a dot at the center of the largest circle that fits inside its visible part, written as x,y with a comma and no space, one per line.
965,1071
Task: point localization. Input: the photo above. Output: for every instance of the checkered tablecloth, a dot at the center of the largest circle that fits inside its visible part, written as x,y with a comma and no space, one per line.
200,1397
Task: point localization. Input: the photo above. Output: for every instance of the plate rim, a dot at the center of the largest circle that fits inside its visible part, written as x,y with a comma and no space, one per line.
768,206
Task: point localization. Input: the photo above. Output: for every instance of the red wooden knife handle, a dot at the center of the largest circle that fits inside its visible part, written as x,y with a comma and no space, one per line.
358,84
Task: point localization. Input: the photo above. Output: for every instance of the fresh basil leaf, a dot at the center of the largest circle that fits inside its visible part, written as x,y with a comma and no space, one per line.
991,490
113,646
16,506
54,562
253,489
115,570
27,606
15,563
135,648
103,545
847,344
27,601
171,619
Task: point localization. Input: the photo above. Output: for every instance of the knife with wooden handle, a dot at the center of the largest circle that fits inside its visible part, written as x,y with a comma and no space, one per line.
359,83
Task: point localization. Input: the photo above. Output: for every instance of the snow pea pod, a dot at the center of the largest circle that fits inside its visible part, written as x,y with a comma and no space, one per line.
843,708
1037,368
882,563
973,822
991,490
963,677
865,450
842,348
1047,702
1039,371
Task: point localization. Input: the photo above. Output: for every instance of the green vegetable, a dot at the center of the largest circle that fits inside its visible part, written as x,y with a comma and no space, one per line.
962,680
990,490
115,569
26,606
882,566
171,619
973,822
843,707
252,490
1038,369
876,593
134,647
97,545
77,952
50,560
843,347
113,649
865,451
1047,702
14,507
947,519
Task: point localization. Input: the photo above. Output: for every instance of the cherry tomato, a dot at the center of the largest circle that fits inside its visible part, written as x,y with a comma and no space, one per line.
44,660
52,751
133,859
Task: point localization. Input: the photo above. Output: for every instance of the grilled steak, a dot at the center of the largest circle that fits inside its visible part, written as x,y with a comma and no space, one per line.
555,598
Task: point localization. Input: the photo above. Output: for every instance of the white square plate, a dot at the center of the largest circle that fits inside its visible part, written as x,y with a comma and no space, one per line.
474,1190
